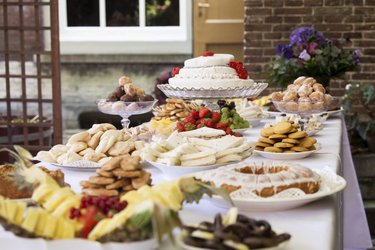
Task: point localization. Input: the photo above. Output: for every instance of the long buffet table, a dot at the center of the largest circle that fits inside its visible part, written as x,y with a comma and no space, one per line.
334,222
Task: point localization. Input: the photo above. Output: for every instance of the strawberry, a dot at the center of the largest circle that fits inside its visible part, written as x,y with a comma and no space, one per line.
236,134
204,112
89,219
195,114
189,119
215,116
220,125
180,127
200,121
210,123
175,71
189,126
233,64
201,125
228,131
207,53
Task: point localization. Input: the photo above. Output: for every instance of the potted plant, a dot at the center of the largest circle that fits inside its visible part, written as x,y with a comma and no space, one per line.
359,115
309,53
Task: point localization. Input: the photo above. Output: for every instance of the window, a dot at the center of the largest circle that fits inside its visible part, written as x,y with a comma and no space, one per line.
125,26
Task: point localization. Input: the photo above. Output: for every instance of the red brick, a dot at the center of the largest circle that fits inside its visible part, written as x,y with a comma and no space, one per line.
253,52
258,27
368,59
370,35
334,27
293,11
368,11
334,19
293,2
312,19
364,27
253,3
284,27
333,11
367,76
256,59
258,43
292,19
364,43
353,35
354,2
253,19
369,2
368,68
253,35
273,35
273,19
313,3
369,19
273,3
333,35
353,19
277,42
269,52
369,51
258,11
333,2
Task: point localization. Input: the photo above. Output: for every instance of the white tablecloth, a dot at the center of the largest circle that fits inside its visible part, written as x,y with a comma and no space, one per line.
318,225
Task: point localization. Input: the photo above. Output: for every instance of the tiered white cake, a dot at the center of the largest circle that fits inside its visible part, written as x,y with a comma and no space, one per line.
212,71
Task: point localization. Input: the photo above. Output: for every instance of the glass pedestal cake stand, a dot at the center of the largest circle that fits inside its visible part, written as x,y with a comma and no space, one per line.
304,110
210,96
125,109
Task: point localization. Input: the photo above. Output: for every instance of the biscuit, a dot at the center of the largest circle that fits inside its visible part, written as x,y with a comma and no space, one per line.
297,135
266,132
112,163
118,184
104,173
86,151
282,128
80,137
76,146
128,188
283,145
129,174
262,144
87,184
121,148
266,140
299,149
99,192
293,130
142,180
307,142
289,140
95,139
58,150
93,157
259,148
100,180
277,136
273,150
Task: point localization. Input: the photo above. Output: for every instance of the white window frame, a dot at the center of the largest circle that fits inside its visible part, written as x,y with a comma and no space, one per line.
141,39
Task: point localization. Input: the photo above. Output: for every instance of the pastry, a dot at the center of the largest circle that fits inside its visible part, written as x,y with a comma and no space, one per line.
282,128
264,180
273,150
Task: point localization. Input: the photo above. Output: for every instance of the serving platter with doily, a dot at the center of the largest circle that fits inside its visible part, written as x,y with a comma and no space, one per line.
331,183
250,91
81,165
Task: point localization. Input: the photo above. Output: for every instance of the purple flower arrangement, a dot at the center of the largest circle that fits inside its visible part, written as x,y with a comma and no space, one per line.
309,53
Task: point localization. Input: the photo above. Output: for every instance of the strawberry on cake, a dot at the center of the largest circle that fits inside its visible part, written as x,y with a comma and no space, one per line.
211,71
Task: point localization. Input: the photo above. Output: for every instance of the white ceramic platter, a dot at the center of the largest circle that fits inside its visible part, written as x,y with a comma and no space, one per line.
287,156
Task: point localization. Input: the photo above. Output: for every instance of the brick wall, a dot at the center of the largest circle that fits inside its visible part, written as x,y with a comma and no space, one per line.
269,22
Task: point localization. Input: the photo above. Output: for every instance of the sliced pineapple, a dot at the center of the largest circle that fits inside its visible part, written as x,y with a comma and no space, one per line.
57,198
62,210
31,219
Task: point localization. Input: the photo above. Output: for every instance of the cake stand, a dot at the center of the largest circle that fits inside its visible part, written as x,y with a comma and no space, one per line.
211,96
300,109
125,109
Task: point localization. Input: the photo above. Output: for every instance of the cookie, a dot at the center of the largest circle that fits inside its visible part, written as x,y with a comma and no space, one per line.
299,149
273,150
297,135
283,145
129,174
266,140
104,173
259,148
87,184
112,163
307,142
128,188
100,180
142,180
99,192
289,140
293,130
262,144
282,128
277,136
266,132
312,148
118,184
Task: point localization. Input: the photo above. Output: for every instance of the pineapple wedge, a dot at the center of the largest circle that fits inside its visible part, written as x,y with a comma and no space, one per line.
57,198
31,219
